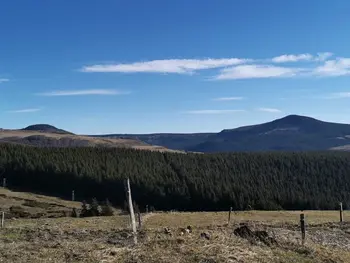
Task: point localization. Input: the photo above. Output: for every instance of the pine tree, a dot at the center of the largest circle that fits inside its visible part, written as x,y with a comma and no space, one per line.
95,209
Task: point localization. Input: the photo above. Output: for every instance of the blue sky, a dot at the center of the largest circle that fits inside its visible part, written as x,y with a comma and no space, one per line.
117,66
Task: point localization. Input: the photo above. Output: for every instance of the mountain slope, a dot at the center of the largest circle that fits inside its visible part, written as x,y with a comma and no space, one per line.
291,133
178,141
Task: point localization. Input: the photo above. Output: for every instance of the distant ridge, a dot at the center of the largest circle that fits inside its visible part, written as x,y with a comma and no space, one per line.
45,128
44,135
290,133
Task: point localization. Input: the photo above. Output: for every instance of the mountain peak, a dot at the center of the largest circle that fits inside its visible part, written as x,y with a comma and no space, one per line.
45,128
295,119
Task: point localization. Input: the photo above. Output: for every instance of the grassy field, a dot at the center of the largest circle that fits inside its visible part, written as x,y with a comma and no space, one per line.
221,218
162,237
109,239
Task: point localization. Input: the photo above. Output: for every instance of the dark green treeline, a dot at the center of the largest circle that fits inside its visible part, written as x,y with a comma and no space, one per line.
183,181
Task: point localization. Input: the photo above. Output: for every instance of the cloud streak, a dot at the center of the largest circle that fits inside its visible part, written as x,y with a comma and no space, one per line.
25,110
105,92
179,66
336,67
302,57
228,98
292,58
4,80
270,110
213,111
339,95
256,71
329,68
313,65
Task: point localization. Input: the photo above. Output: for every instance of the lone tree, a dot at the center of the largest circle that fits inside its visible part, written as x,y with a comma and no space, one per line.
95,209
107,209
85,211
75,213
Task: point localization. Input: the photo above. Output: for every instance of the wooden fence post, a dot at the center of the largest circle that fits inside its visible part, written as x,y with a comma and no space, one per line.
140,220
73,195
4,182
302,228
131,209
146,209
229,215
341,211
2,219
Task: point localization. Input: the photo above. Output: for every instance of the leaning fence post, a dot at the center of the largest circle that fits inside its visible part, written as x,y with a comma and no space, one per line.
341,211
302,228
2,219
131,209
229,215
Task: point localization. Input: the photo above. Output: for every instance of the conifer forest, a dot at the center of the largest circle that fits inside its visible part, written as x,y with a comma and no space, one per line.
184,182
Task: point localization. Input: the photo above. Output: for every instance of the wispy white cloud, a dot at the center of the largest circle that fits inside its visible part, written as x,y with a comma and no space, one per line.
228,98
256,71
302,57
338,95
213,111
328,68
336,67
323,56
319,64
180,66
25,110
4,80
83,92
270,110
292,58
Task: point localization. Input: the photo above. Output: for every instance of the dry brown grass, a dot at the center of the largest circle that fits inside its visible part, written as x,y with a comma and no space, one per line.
8,198
175,219
108,239
22,204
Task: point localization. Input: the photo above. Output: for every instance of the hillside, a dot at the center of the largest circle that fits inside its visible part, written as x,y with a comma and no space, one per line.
45,128
177,141
291,133
183,181
29,205
46,136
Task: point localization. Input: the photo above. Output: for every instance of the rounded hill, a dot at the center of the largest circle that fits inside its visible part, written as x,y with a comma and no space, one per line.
45,128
